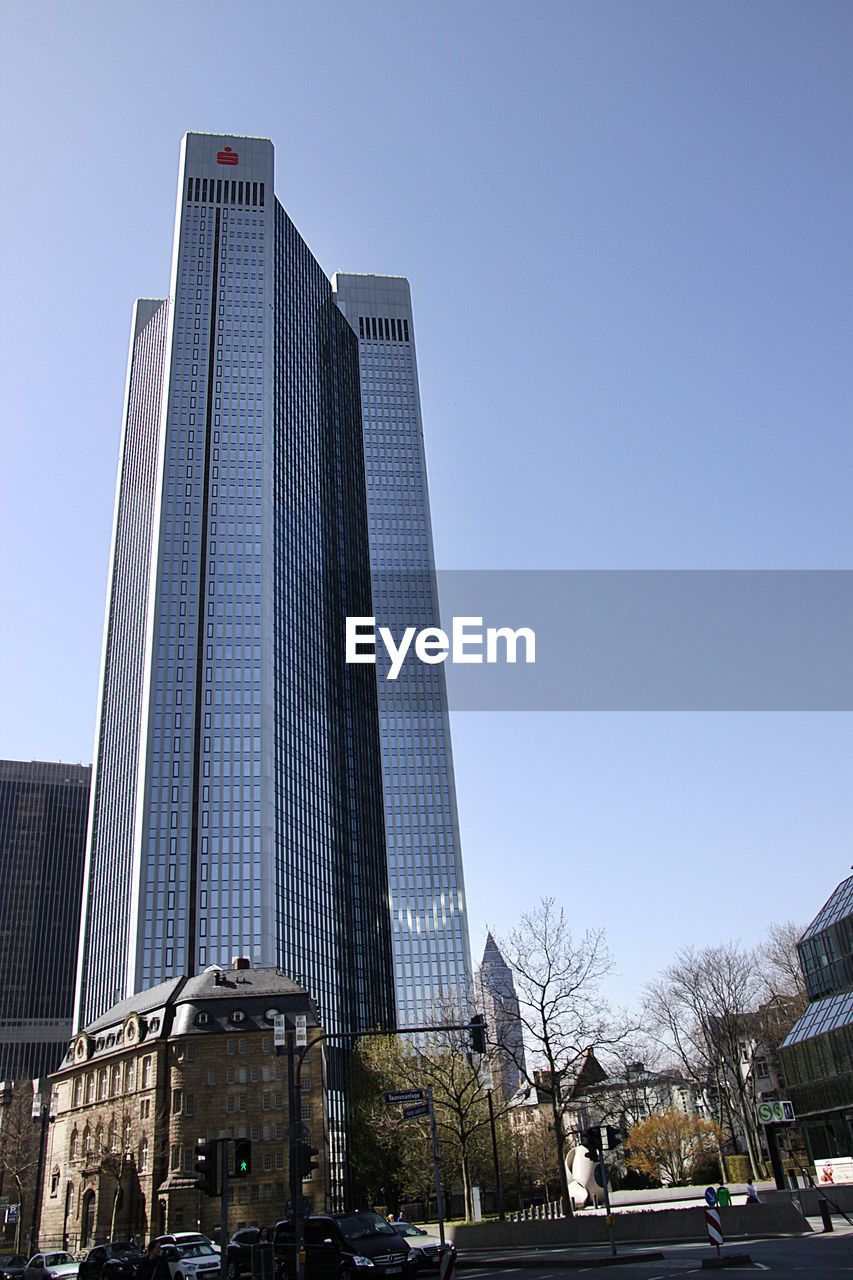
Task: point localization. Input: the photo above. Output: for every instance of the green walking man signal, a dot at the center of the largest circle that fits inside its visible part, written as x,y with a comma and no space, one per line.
242,1158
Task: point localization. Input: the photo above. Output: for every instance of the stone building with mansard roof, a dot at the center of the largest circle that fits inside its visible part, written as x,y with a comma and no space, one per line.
188,1060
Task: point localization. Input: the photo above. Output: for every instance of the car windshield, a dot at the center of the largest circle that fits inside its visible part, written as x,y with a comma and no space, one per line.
407,1229
12,1260
359,1226
122,1250
196,1249
57,1259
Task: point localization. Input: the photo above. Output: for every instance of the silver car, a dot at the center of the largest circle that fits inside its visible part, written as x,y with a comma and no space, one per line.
50,1266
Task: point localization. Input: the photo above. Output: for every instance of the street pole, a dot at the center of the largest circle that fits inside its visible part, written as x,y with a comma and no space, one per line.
604,1182
223,1209
439,1200
36,1218
498,1187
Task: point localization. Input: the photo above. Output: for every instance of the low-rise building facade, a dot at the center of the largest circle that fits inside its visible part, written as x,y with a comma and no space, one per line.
189,1060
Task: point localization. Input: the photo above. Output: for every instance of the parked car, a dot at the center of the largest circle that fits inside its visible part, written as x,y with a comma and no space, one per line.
421,1242
197,1260
248,1254
339,1245
188,1237
117,1260
12,1266
50,1266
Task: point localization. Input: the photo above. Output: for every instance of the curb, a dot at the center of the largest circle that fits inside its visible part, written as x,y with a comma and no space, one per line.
532,1263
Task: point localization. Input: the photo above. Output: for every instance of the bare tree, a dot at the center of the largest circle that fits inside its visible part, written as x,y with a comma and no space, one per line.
786,996
19,1147
557,980
703,1010
114,1155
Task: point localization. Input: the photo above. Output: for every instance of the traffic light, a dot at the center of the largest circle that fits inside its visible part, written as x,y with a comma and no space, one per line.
242,1158
477,1031
305,1162
615,1136
205,1169
591,1139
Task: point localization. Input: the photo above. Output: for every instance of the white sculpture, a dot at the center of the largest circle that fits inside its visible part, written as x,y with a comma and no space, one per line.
581,1174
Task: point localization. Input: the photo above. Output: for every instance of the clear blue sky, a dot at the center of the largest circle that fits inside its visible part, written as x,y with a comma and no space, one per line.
627,229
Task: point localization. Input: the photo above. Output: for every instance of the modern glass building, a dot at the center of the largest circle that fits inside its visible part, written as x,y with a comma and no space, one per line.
432,958
237,804
817,1055
43,809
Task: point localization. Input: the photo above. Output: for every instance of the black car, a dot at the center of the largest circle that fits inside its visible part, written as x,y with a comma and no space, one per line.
117,1260
339,1246
248,1254
12,1266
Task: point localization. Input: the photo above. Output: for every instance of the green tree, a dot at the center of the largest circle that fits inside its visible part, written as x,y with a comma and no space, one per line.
390,1157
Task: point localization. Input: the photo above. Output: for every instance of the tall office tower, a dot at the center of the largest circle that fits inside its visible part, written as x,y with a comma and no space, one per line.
237,800
432,955
499,1002
43,808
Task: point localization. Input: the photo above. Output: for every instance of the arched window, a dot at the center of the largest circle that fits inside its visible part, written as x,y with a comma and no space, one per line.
78,1091
87,1141
131,1077
146,1073
113,1135
99,1139
116,1080
125,1143
143,1155
74,1145
102,1084
90,1087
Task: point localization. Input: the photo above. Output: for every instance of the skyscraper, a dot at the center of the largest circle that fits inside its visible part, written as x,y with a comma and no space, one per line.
237,799
499,1002
432,959
43,808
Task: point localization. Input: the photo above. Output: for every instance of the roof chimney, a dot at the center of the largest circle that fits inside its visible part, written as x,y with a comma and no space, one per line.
241,962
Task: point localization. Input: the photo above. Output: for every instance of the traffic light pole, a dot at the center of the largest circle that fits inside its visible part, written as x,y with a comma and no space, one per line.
605,1181
498,1185
223,1209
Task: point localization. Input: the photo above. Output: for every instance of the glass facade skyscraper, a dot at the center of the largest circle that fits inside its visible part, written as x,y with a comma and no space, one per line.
237,797
432,960
43,808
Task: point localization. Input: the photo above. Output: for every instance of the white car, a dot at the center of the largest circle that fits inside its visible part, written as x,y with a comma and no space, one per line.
195,1261
181,1238
426,1247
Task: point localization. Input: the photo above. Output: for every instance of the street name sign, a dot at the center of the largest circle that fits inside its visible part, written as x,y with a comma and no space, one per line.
412,1113
404,1095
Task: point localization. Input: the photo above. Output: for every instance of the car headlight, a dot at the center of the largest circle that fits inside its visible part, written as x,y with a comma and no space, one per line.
362,1262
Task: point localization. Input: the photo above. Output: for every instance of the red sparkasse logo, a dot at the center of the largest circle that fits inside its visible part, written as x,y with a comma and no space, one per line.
227,156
